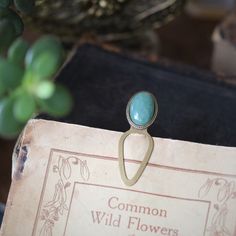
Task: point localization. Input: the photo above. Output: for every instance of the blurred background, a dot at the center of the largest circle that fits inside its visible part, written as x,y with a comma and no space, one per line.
199,33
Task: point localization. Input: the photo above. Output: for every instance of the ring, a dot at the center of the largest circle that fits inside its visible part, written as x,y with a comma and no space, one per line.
141,112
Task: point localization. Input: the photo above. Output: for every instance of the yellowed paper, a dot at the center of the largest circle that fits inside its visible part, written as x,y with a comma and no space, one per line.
66,181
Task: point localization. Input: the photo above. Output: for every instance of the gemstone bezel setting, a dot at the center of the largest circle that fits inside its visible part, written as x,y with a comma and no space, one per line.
142,127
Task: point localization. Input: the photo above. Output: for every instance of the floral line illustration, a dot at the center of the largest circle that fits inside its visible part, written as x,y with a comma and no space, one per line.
225,191
55,208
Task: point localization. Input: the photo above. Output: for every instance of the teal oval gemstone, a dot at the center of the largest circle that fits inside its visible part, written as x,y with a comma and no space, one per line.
142,108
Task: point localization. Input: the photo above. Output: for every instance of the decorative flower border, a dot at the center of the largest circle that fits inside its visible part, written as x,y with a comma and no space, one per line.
56,207
61,169
225,191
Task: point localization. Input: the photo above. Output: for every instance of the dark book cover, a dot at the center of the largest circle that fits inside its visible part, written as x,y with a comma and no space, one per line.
193,104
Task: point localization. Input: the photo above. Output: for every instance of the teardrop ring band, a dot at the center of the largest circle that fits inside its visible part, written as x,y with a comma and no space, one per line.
141,112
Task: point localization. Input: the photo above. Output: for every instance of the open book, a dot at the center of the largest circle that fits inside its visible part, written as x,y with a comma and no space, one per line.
66,181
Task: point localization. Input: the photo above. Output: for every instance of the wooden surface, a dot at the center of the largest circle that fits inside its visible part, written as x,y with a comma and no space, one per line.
184,40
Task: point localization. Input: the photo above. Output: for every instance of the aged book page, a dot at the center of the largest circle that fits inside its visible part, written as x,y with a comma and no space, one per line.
66,181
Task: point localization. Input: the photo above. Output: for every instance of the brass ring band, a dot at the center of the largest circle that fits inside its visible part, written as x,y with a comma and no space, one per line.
132,181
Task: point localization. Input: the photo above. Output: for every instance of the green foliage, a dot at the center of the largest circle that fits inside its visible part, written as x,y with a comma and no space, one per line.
59,104
11,25
47,44
25,6
24,107
27,88
45,89
2,89
9,126
5,3
10,74
10,15
7,34
46,64
16,53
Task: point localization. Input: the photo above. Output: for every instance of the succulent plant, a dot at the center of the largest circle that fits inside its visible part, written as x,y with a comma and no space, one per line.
108,20
26,87
11,24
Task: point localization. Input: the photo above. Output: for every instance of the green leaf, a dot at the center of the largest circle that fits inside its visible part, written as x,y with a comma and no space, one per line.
17,51
59,104
9,126
46,64
7,34
10,74
24,107
3,12
17,22
45,89
5,3
2,89
49,44
10,15
25,6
